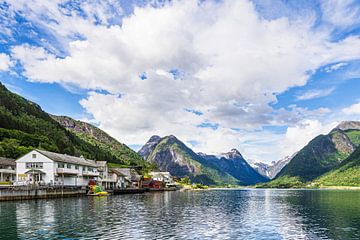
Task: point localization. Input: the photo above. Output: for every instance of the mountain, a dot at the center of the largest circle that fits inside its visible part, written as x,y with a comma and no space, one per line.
346,174
235,165
320,155
25,126
170,154
271,170
101,139
149,147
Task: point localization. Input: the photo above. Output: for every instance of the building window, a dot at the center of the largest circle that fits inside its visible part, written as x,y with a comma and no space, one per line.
77,167
34,155
61,165
34,165
68,166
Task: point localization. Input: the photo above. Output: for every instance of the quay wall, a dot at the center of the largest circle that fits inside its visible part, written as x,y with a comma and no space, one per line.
27,193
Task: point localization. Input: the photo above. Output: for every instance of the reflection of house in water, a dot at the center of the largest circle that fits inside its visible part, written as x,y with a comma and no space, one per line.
50,168
7,169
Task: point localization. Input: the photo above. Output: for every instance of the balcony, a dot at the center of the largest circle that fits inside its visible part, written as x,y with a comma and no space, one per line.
6,170
68,171
107,179
90,174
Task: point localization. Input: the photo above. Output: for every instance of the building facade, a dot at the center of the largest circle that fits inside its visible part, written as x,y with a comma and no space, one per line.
7,170
164,177
48,168
107,179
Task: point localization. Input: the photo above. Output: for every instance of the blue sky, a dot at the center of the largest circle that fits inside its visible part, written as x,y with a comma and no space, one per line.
261,76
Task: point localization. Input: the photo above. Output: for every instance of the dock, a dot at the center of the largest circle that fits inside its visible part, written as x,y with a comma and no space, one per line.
12,193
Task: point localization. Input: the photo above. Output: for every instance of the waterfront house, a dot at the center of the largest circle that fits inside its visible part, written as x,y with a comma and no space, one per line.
121,180
43,167
107,178
152,184
7,170
132,177
164,177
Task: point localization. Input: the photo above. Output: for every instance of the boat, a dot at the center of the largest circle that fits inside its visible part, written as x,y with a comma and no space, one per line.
96,190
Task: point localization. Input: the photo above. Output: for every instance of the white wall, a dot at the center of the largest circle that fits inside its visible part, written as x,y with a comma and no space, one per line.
48,165
50,169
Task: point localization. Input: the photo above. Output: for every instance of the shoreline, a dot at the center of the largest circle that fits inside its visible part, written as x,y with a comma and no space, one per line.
253,188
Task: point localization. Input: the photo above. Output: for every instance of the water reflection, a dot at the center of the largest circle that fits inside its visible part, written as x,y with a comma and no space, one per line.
228,214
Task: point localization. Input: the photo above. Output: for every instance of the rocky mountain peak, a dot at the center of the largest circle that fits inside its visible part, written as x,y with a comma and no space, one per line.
149,146
347,125
154,138
234,153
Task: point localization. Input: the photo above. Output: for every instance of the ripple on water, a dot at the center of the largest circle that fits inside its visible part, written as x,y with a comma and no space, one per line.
237,214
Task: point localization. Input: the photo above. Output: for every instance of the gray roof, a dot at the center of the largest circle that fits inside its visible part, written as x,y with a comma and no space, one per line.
124,171
128,173
57,157
101,163
117,171
7,161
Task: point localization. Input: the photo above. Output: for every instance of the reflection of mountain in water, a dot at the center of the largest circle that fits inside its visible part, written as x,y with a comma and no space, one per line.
221,214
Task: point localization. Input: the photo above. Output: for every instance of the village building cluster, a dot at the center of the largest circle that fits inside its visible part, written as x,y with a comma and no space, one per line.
45,168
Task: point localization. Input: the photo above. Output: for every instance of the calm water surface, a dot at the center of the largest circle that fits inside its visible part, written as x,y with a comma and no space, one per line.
218,214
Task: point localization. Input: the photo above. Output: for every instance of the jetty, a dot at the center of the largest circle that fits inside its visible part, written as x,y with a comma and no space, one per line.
11,193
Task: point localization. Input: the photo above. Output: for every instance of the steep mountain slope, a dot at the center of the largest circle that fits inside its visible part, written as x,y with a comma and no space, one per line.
101,139
149,147
347,174
25,126
235,165
261,168
322,154
170,154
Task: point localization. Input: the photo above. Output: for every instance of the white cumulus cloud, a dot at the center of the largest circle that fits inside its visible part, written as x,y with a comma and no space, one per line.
5,62
232,62
353,109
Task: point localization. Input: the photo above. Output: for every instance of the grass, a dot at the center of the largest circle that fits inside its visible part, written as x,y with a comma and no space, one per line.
283,182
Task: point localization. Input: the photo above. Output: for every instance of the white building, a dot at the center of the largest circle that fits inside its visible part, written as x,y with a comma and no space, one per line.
163,177
131,179
43,167
7,170
121,180
107,179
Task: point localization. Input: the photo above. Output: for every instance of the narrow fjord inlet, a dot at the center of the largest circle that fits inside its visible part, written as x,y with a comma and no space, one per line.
180,119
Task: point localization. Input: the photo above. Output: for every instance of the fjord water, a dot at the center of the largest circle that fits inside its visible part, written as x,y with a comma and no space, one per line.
216,214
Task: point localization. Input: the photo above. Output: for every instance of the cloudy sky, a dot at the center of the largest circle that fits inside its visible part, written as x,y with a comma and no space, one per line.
261,76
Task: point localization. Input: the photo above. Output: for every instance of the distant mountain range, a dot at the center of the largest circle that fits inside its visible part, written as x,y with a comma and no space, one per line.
271,170
170,154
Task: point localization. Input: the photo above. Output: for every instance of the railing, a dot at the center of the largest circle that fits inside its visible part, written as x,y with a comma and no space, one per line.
107,180
67,171
89,173
5,170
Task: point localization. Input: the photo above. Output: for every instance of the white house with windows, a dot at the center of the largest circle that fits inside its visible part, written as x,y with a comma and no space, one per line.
7,170
107,179
43,167
163,177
